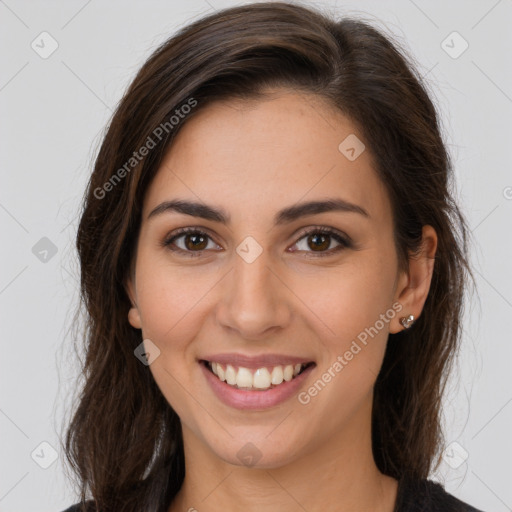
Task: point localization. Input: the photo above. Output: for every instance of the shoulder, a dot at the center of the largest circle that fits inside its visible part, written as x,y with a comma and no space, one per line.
427,496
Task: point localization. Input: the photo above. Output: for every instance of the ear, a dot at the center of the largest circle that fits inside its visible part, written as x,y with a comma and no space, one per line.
414,285
133,313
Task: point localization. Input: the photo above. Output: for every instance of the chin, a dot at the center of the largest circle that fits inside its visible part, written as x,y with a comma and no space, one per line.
257,454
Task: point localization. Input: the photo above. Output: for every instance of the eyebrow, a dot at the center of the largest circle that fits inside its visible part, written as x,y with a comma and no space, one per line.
284,216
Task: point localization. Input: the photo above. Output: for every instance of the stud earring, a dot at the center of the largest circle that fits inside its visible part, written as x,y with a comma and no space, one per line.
407,321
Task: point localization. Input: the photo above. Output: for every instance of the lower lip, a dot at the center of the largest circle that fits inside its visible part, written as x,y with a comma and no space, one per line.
241,399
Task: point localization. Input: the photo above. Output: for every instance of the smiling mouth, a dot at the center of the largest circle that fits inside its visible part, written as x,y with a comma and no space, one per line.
259,379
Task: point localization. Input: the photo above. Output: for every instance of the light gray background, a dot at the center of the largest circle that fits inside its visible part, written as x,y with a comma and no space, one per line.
52,114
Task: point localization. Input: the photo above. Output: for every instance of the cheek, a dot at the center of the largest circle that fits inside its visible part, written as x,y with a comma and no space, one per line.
355,303
349,298
171,308
170,300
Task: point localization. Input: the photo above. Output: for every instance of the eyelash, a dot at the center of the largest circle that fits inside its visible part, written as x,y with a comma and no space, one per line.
344,242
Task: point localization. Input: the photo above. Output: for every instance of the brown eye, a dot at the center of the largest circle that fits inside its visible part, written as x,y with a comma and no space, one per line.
188,241
319,240
195,241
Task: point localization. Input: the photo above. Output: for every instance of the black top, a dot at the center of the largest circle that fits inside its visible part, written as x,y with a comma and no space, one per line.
412,496
427,496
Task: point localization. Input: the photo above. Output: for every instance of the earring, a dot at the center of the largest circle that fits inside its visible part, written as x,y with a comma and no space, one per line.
407,321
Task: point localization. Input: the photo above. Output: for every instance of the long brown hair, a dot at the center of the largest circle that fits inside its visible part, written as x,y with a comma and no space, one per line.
124,441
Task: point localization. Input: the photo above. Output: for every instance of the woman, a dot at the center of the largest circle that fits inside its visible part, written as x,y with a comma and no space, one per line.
273,269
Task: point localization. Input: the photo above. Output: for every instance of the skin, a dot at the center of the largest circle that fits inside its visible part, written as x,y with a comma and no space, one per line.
252,158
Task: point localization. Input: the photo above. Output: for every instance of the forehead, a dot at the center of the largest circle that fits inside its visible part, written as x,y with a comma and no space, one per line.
257,155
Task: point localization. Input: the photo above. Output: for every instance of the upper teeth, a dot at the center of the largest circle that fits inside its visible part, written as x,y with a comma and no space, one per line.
255,379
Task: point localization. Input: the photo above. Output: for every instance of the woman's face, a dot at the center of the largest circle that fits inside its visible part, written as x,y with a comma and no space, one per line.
259,287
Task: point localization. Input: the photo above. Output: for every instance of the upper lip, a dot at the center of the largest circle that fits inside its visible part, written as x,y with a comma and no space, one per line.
256,362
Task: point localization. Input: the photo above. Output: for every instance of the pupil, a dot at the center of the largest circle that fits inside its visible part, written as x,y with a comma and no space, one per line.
197,240
316,237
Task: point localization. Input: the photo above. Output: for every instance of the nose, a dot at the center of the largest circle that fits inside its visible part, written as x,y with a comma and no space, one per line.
255,299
